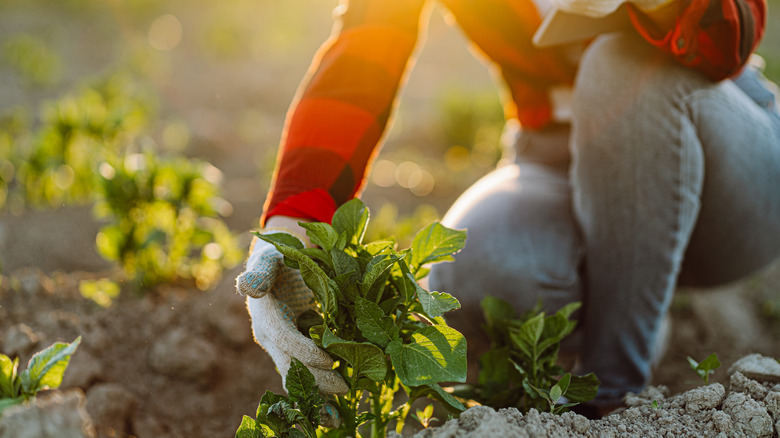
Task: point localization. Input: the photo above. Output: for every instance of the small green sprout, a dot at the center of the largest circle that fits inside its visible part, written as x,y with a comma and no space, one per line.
425,416
705,367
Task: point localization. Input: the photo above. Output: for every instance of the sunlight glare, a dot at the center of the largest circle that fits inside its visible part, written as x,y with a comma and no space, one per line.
165,33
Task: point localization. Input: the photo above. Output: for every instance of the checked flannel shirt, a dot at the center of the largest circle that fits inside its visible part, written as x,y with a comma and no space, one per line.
337,121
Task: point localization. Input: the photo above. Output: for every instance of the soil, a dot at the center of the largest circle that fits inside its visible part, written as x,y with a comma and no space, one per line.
748,408
180,362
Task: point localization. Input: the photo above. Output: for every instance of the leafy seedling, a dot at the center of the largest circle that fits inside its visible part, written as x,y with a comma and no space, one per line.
706,367
655,405
520,370
278,415
425,416
385,331
44,371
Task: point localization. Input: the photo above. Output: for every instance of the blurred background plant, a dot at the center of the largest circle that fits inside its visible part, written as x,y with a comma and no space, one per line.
161,209
163,219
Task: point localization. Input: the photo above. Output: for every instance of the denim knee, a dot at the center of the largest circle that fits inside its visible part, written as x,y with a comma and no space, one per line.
522,244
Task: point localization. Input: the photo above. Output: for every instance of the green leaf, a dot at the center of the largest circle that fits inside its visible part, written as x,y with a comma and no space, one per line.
496,310
526,338
582,388
406,287
568,310
555,393
315,278
365,358
285,239
268,399
710,363
374,324
351,219
343,263
390,305
8,377
435,354
46,368
494,369
436,243
435,304
379,246
446,397
375,268
560,388
321,234
295,433
248,429
705,367
303,390
319,254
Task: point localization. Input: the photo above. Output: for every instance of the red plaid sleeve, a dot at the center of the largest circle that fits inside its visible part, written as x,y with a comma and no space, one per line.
337,122
503,31
342,109
715,37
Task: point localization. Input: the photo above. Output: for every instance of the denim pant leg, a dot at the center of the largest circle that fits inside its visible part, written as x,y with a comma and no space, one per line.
522,243
663,158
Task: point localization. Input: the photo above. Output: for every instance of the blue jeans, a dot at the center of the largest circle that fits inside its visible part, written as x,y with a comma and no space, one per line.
672,179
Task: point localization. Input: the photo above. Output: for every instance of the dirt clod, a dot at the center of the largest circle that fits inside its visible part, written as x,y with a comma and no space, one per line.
749,415
19,340
707,411
758,367
55,415
740,383
181,355
110,405
83,370
706,397
772,402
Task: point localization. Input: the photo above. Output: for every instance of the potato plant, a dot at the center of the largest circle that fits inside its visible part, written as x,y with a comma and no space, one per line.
55,159
161,211
520,370
384,330
162,220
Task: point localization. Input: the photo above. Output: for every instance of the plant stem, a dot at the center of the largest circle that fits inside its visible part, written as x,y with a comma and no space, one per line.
379,423
402,411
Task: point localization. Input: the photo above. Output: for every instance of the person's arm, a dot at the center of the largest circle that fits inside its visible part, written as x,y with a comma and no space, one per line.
338,119
502,30
715,37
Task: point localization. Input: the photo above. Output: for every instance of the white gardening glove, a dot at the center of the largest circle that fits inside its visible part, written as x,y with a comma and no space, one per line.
602,8
276,296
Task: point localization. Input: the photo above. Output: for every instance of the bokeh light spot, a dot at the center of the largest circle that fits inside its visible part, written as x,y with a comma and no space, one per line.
408,174
425,185
383,173
165,33
457,158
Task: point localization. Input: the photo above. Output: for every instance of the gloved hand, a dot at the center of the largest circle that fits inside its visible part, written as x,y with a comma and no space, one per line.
276,296
602,8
